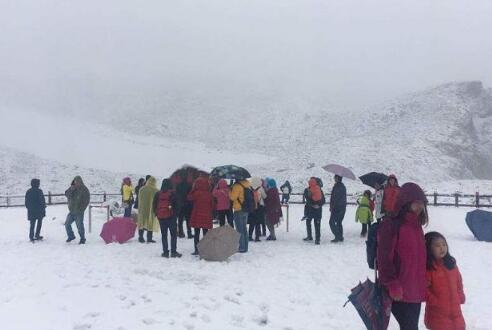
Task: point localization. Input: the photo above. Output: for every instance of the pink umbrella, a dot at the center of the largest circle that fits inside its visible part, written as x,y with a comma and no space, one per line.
340,171
118,230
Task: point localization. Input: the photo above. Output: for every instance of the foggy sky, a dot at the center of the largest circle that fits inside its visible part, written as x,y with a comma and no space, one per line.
89,55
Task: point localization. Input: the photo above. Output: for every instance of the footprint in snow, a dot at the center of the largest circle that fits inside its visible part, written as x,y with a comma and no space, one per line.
84,326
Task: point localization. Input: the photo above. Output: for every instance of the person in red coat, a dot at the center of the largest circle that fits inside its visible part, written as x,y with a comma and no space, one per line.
203,206
401,255
273,208
444,286
390,195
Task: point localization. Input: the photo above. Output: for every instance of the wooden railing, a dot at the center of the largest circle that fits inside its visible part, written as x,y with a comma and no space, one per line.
457,199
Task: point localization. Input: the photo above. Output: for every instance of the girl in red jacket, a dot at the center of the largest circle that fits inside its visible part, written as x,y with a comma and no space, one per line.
445,286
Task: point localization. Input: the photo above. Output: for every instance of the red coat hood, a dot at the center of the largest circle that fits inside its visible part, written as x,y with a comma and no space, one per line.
408,193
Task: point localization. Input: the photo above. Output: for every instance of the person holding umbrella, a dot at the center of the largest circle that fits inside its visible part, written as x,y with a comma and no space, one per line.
203,206
338,207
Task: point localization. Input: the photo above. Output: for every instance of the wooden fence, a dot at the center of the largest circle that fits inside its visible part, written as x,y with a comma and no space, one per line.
457,199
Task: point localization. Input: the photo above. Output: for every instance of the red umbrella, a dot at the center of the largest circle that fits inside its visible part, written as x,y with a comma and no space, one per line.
118,230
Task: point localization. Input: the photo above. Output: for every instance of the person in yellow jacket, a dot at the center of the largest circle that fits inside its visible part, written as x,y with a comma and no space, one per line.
240,215
364,212
127,196
146,217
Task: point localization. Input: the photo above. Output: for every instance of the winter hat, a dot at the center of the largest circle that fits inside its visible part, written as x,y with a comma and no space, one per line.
222,184
271,183
409,192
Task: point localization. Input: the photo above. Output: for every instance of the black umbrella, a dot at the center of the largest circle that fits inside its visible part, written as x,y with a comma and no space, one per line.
373,304
372,178
230,172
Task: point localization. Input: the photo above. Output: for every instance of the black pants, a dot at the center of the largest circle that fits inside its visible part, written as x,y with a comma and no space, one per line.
407,315
336,227
38,228
184,216
285,198
197,236
169,224
222,215
364,229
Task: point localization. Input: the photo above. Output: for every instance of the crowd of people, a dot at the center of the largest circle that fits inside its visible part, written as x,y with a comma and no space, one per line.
413,267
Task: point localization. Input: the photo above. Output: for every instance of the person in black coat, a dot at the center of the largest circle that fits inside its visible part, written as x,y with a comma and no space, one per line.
36,209
141,183
286,190
183,205
338,206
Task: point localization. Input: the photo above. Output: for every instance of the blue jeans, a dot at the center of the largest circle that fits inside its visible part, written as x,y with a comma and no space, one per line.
241,222
78,218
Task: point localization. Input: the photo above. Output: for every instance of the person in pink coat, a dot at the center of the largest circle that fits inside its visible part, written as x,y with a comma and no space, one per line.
223,203
402,257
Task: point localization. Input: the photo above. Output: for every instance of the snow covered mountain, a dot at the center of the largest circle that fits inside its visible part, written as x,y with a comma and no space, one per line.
436,136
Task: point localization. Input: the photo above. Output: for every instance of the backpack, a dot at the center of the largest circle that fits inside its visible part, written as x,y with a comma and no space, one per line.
249,203
372,242
164,207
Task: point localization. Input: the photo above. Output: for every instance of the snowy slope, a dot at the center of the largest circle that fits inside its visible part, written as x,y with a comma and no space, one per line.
287,284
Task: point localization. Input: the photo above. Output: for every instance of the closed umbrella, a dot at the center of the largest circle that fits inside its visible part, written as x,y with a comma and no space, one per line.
219,244
118,230
340,171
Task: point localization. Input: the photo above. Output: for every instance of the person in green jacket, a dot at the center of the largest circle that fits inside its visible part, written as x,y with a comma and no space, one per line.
146,217
364,212
78,197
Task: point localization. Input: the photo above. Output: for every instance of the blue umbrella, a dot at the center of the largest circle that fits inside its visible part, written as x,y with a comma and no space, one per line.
480,224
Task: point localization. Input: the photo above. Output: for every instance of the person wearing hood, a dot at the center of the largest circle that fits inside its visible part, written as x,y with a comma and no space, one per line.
141,183
273,208
147,221
286,190
338,206
36,209
240,215
78,197
164,206
184,206
313,209
390,195
363,214
222,203
257,217
202,212
401,255
127,196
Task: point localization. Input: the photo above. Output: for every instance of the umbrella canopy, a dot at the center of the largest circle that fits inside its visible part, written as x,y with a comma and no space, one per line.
480,224
118,230
230,172
373,304
219,244
370,179
340,171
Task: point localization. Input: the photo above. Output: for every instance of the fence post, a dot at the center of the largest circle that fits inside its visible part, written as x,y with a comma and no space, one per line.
104,197
90,218
8,200
49,197
456,200
477,200
435,198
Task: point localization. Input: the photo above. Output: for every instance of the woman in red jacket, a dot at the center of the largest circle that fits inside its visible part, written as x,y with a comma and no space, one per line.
445,286
203,206
401,255
390,195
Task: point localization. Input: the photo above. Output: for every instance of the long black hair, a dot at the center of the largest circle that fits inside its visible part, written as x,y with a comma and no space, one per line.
449,261
423,217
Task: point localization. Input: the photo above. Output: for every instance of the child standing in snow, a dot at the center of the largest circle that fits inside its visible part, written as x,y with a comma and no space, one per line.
364,212
445,287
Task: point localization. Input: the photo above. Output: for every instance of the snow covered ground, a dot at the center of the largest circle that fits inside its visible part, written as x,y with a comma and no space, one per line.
286,284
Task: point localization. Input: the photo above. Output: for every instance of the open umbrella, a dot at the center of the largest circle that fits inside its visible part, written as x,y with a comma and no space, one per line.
370,179
480,224
118,230
230,172
340,171
373,304
219,244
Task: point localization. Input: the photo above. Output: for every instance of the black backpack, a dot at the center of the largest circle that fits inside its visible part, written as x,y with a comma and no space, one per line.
372,241
249,204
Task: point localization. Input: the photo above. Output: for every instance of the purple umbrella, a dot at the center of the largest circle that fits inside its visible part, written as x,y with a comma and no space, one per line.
118,230
340,171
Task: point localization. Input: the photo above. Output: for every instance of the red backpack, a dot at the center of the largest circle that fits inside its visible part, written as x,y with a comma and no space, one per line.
164,207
